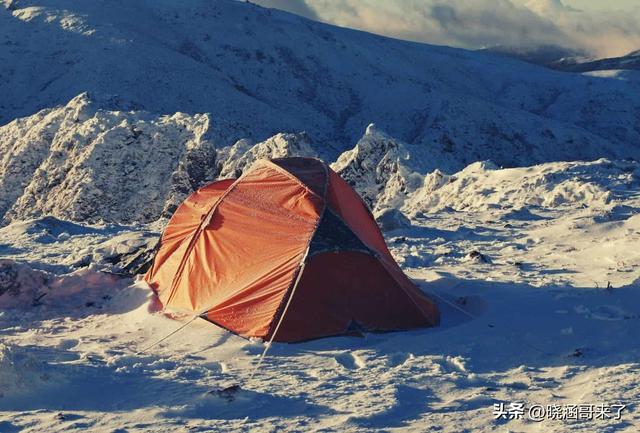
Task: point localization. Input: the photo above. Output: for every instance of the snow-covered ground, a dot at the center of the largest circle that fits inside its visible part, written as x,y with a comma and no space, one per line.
113,111
535,269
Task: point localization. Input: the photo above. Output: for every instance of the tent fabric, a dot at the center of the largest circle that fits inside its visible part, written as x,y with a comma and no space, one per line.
289,234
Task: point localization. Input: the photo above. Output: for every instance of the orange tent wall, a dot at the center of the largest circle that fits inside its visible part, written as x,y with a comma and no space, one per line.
337,289
240,261
181,227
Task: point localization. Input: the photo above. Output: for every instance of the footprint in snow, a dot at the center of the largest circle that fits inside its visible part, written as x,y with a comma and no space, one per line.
399,359
350,361
604,312
215,366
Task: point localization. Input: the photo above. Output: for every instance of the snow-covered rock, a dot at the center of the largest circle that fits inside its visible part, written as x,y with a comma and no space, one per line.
131,253
24,287
61,247
379,168
482,186
20,371
82,163
392,219
242,155
19,283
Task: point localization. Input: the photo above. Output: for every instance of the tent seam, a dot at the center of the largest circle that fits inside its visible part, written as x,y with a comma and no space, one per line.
205,221
159,243
289,293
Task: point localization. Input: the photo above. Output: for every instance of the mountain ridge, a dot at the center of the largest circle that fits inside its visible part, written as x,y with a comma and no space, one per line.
264,71
81,162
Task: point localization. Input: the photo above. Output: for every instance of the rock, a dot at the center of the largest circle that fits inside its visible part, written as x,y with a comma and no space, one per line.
128,253
392,219
477,257
19,283
242,155
80,162
379,169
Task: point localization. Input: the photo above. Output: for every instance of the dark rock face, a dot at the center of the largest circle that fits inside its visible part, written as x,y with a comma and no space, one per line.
8,278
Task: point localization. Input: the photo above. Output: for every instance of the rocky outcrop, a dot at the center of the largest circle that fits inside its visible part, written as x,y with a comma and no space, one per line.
83,162
242,154
89,163
380,168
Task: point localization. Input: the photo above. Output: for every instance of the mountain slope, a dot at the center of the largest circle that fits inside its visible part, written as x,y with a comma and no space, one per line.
260,72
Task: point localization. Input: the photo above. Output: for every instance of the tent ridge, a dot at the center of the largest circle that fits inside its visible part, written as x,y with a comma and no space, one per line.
272,164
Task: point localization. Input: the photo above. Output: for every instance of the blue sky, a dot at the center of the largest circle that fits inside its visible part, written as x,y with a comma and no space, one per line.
594,27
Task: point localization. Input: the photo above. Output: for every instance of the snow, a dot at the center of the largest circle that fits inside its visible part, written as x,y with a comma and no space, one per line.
20,371
392,219
242,155
23,287
507,191
548,317
481,185
58,246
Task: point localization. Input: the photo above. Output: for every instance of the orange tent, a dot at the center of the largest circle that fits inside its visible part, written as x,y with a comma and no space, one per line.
287,252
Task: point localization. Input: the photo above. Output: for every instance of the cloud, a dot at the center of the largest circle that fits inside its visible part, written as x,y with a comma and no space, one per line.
481,23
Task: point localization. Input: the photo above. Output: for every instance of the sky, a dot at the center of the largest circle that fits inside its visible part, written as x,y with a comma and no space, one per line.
600,5
596,28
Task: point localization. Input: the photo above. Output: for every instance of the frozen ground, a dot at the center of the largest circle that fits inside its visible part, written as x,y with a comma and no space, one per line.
535,271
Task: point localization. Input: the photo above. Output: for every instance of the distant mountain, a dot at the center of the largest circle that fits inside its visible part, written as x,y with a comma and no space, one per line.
259,72
628,63
545,55
564,59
